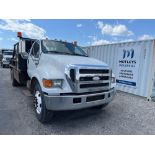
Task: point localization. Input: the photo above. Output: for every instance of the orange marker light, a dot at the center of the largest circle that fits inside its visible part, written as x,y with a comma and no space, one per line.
19,34
75,42
47,83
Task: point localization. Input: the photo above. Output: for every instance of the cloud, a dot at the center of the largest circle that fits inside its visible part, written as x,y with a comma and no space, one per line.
25,26
126,40
100,42
13,39
145,37
28,20
114,30
95,41
79,25
92,37
1,38
131,20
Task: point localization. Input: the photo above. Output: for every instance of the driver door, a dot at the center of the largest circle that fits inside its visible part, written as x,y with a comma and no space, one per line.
33,59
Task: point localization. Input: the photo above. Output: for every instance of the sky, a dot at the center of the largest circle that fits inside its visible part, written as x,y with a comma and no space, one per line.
85,31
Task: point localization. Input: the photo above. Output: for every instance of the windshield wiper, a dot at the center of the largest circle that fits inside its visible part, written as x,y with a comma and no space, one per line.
58,52
75,54
80,55
54,52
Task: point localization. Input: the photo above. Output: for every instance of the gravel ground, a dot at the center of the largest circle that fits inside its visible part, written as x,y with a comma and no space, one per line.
126,114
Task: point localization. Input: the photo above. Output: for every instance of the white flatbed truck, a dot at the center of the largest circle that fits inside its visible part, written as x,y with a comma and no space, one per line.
60,76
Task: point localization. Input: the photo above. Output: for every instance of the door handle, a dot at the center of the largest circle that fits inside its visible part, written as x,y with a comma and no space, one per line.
36,62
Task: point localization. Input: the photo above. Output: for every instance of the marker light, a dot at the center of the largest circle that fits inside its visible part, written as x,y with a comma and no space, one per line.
47,83
74,42
19,34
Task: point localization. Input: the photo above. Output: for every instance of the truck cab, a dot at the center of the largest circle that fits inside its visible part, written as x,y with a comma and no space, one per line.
6,57
60,76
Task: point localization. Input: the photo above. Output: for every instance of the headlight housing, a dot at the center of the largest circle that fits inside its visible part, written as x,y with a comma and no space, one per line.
52,83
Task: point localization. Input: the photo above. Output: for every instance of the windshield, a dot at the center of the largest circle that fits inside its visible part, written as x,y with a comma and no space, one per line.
7,53
50,46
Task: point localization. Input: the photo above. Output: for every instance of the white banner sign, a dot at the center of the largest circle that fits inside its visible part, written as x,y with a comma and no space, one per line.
128,66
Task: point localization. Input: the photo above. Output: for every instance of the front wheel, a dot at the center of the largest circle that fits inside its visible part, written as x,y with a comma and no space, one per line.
43,115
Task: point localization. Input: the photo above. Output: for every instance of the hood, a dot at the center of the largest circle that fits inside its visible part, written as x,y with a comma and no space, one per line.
62,61
50,63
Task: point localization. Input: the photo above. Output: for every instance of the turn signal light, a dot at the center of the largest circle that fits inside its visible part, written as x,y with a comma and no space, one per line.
47,83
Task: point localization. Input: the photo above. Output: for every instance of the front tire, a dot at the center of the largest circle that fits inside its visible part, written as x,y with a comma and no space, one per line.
43,115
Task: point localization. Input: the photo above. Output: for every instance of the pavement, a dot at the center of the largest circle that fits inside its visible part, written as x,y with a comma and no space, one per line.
127,114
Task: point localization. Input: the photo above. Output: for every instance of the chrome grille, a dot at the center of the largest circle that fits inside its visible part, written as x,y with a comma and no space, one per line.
88,78
93,71
91,78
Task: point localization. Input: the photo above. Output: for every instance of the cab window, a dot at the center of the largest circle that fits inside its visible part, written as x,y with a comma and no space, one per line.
35,50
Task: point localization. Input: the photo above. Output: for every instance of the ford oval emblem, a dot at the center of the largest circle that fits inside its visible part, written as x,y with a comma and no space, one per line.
96,78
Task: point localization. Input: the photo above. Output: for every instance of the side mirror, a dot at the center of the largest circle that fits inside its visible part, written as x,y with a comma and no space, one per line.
25,55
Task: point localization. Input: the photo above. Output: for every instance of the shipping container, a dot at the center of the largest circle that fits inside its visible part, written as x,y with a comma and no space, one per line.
133,63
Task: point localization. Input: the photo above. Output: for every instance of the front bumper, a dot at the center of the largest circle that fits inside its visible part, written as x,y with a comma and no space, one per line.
69,102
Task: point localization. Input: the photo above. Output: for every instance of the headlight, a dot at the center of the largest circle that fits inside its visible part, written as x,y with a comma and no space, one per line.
113,80
55,83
